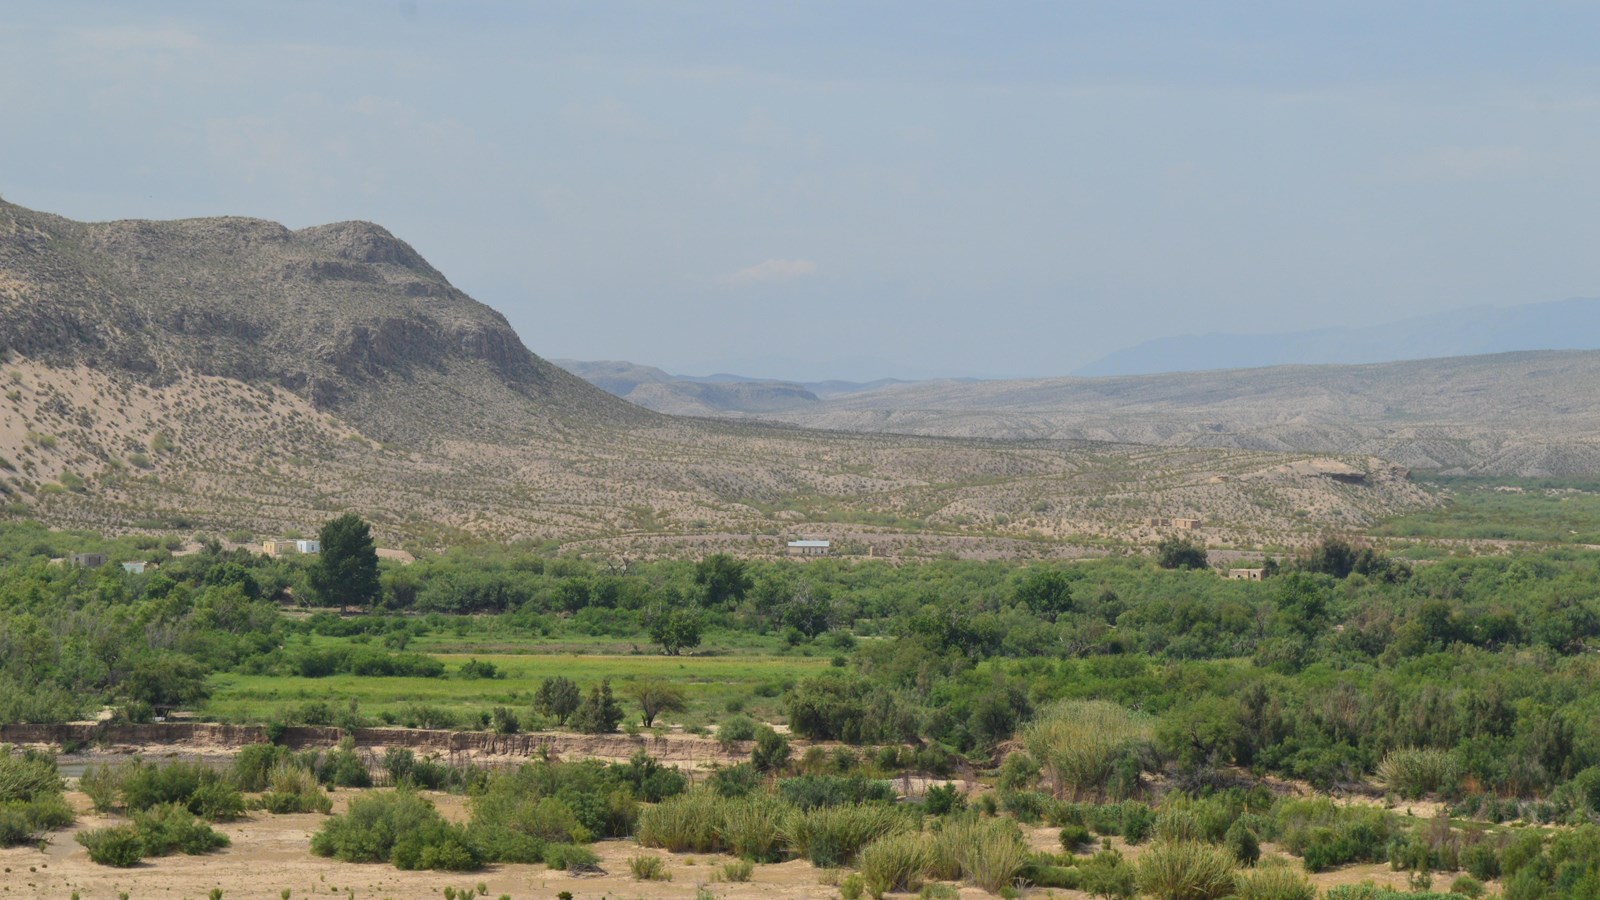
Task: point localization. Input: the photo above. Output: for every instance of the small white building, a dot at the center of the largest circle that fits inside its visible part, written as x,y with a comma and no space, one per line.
134,568
285,548
809,548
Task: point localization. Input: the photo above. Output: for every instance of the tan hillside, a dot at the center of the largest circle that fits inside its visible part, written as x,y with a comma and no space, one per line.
224,374
1523,414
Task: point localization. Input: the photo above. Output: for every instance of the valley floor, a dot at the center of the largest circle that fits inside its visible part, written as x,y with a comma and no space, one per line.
270,854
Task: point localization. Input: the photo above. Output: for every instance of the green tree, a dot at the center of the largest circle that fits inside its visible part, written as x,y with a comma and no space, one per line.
723,579
771,751
557,698
656,696
166,681
599,713
1048,592
1180,553
346,571
676,629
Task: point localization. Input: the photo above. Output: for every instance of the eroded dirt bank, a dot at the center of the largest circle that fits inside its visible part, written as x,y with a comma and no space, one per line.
200,739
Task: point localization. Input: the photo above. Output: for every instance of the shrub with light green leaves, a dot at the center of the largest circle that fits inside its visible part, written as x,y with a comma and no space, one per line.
1185,870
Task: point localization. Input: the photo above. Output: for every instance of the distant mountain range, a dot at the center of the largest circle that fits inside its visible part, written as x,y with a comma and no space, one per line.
1559,325
1525,414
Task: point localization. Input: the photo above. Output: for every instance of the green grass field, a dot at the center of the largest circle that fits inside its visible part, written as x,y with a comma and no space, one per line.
715,685
1543,511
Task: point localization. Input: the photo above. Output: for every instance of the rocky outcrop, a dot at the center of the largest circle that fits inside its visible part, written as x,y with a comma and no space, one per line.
347,315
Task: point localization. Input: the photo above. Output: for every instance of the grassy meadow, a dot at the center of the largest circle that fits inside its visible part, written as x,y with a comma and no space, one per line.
743,676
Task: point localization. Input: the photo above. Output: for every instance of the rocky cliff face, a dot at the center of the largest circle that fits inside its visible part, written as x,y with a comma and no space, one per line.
346,315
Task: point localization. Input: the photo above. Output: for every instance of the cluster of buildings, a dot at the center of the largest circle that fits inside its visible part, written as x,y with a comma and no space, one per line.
96,560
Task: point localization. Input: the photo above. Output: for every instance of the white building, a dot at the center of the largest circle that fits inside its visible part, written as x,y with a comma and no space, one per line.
808,548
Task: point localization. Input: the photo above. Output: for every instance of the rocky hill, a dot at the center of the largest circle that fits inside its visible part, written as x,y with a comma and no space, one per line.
345,316
230,374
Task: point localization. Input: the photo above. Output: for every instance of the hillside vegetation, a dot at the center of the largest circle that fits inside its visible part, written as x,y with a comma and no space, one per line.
232,374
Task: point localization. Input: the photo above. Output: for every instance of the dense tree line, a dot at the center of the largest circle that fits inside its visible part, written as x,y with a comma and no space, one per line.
1323,671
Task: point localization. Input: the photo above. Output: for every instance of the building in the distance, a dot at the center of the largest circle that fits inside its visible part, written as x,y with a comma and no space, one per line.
134,567
809,548
1166,522
284,548
88,560
1247,574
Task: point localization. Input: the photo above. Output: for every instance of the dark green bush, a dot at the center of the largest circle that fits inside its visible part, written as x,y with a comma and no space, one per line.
941,800
172,828
374,823
736,780
812,791
1075,838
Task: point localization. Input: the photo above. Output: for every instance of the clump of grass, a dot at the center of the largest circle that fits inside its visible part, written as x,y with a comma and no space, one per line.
689,822
293,788
988,852
738,870
752,828
1080,741
833,835
899,862
1273,883
648,868
1414,771
1185,870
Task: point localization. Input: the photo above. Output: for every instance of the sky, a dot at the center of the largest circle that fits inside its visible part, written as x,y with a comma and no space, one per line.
856,189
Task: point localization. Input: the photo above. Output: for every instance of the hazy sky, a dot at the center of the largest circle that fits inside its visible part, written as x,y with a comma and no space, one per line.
853,189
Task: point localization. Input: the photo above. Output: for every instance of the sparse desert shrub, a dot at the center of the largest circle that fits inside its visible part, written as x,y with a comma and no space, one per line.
1106,876
172,828
1273,883
1079,743
1185,870
1467,886
648,868
291,788
103,785
738,870
1075,838
570,857
898,862
1414,771
117,846
852,886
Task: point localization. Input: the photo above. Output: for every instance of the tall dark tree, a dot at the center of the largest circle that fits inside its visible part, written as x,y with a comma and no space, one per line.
1048,592
723,579
346,572
1180,553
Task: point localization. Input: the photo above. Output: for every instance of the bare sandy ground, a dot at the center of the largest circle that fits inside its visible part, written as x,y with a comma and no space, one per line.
271,853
